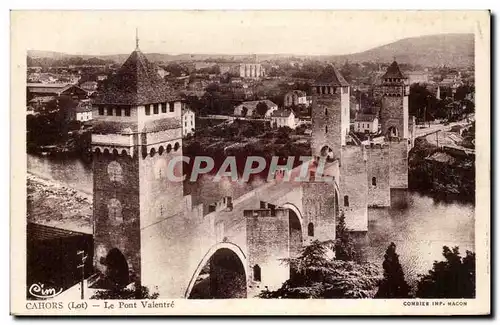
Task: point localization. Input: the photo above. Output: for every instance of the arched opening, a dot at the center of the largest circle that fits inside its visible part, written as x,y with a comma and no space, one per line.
327,152
346,200
98,151
152,152
374,181
116,269
124,152
169,148
392,132
256,273
222,277
106,151
160,150
176,146
310,229
336,199
115,152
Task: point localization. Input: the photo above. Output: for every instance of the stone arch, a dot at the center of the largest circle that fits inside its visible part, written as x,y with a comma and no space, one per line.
327,152
97,151
392,132
235,249
106,151
115,152
310,229
116,268
295,230
124,152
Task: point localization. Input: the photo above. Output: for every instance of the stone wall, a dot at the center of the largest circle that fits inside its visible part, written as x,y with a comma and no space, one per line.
118,191
398,164
394,112
353,185
320,204
326,123
378,171
267,243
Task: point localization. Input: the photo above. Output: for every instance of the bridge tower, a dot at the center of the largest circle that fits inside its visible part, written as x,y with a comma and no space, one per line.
398,130
136,133
394,112
330,114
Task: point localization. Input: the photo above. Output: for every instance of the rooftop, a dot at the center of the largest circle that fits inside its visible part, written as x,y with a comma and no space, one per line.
394,72
281,113
365,117
136,83
331,76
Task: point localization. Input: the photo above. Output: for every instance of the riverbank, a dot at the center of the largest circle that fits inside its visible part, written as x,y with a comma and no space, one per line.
52,204
441,174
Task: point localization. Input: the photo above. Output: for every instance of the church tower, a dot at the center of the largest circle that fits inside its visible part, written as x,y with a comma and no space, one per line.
330,114
136,133
394,112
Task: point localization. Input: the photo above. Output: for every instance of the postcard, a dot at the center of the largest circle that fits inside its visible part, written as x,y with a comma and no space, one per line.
250,163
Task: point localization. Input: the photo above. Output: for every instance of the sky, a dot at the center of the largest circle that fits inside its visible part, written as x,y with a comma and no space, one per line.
229,32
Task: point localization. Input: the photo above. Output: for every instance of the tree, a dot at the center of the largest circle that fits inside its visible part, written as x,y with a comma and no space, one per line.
318,276
125,293
393,285
453,278
344,248
261,109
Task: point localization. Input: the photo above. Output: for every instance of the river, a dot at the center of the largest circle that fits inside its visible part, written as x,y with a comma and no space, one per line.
419,232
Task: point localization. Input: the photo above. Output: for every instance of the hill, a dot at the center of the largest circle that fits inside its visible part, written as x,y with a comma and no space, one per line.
432,50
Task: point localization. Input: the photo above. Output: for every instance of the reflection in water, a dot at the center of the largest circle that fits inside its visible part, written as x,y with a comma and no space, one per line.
420,231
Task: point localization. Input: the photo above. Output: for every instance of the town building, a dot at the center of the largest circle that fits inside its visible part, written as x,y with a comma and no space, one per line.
83,113
420,77
188,122
295,98
366,123
89,86
44,90
283,118
249,109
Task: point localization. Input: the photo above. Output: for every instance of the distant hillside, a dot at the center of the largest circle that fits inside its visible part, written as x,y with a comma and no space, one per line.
432,50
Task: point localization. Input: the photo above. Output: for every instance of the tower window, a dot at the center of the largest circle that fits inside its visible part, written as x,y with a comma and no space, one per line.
115,210
326,111
101,110
257,273
163,107
109,111
326,128
118,111
127,111
374,181
310,229
155,109
346,200
148,109
171,104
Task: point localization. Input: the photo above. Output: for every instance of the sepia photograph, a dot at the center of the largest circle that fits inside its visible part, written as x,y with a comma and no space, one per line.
171,160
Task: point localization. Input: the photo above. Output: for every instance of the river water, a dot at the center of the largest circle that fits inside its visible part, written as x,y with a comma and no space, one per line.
419,232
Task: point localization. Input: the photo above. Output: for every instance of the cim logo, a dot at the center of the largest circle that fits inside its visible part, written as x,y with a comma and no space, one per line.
39,290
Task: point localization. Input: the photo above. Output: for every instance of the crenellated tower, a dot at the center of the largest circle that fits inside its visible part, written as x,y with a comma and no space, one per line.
136,133
330,114
394,116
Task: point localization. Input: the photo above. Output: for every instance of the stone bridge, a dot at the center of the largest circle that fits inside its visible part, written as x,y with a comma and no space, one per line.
236,249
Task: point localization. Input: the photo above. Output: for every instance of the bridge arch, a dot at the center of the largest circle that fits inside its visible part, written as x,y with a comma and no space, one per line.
220,247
